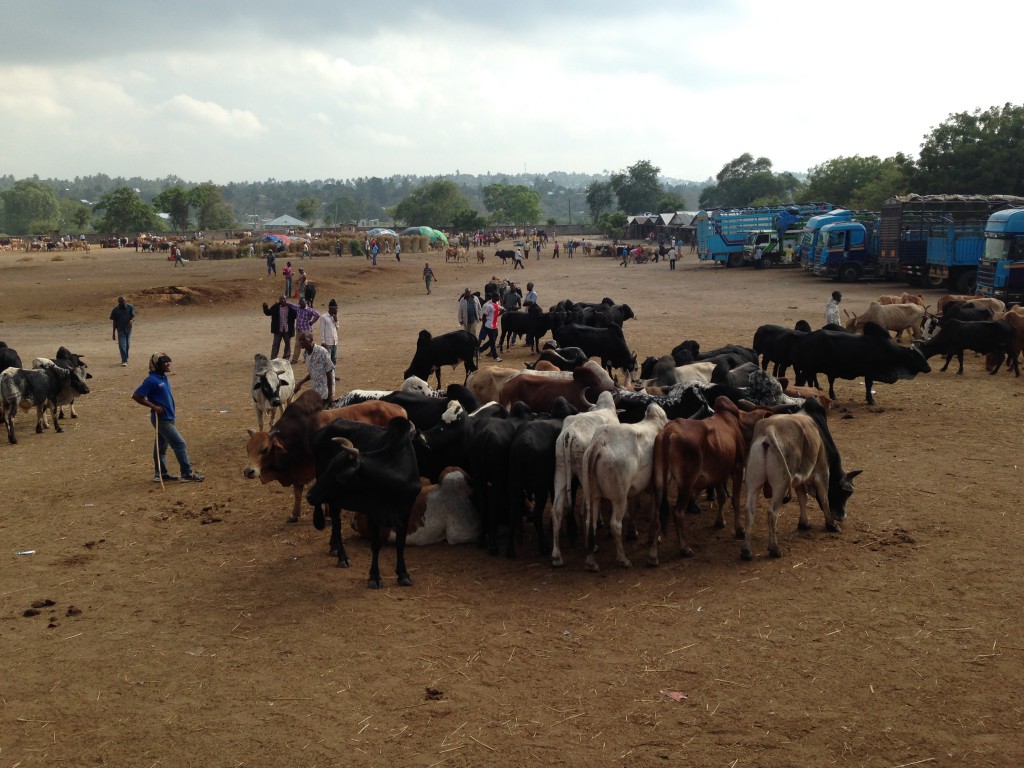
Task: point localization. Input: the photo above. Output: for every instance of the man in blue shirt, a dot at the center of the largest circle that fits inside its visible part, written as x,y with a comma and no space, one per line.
155,394
123,318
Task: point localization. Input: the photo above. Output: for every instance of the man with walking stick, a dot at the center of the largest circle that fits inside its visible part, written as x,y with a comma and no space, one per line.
155,394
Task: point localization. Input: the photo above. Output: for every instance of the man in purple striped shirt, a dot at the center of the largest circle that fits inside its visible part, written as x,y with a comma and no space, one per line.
305,316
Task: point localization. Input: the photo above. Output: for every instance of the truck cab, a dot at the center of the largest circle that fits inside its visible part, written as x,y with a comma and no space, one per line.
1001,269
768,240
846,251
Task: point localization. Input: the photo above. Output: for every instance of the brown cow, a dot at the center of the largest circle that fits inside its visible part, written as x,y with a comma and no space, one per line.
284,454
697,455
1014,317
540,391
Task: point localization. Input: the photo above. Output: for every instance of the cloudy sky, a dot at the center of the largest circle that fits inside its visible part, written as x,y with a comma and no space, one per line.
232,91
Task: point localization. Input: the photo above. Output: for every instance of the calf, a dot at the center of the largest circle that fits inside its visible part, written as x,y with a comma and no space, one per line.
273,385
366,469
795,452
618,465
39,389
983,336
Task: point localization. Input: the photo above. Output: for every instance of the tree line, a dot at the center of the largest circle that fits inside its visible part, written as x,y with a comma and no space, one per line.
979,152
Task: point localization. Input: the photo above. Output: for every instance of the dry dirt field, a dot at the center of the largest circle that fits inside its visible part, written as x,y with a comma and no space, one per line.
193,626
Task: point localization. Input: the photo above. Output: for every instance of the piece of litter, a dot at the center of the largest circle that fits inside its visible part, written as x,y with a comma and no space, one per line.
26,552
675,695
89,504
224,410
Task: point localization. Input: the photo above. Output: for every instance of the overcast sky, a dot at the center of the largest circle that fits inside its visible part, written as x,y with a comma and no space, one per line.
233,91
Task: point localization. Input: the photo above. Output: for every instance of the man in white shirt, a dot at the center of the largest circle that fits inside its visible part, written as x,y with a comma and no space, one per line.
320,367
329,330
832,309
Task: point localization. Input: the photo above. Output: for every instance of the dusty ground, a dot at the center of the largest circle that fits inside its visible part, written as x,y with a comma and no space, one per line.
193,627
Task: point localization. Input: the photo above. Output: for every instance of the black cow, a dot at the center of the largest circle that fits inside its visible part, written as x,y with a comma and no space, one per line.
777,345
685,402
505,255
8,357
447,349
25,389
371,470
71,361
608,344
533,323
966,311
448,442
564,358
982,336
873,355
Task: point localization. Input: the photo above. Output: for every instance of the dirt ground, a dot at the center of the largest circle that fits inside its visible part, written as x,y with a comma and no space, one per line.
193,626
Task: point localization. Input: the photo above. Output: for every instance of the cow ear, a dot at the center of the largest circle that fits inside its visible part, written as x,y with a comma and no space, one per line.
275,443
853,474
251,431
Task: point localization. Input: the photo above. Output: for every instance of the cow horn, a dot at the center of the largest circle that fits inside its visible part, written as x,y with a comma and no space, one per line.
346,445
583,396
746,405
251,432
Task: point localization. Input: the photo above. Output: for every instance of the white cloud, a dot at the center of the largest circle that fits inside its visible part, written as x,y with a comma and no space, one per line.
198,116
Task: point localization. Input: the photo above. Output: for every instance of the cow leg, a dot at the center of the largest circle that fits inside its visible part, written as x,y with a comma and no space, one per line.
376,542
557,509
773,522
720,496
591,513
9,421
737,485
404,579
297,507
832,387
337,544
71,408
539,503
867,390
438,372
684,497
949,358
259,418
620,508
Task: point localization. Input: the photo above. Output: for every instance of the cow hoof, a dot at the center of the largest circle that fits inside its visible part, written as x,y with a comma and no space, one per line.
292,519
372,584
833,528
686,552
652,562
39,429
740,533
405,580
592,567
73,416
803,526
624,563
719,523
343,562
557,562
775,552
746,554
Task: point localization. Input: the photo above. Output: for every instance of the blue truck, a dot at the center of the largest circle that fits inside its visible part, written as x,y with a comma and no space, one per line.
937,240
805,251
847,250
1001,269
722,234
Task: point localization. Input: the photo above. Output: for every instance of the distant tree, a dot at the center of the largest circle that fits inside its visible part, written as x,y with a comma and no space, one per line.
124,212
670,202
600,198
30,208
176,202
744,180
613,223
307,208
637,188
343,210
77,215
980,152
468,220
434,204
211,210
858,182
512,204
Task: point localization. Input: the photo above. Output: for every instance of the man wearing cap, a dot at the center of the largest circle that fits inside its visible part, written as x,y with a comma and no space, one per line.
155,394
123,318
329,330
832,309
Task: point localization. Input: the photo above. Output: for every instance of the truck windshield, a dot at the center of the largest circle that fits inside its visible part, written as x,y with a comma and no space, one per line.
997,249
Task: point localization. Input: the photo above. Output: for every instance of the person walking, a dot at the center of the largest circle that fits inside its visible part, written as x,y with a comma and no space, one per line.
492,311
528,301
282,324
570,246
428,276
305,252
271,263
374,250
122,318
554,253
305,316
287,274
300,283
155,393
832,309
470,312
398,251
517,259
538,249
672,258
320,368
329,330
178,258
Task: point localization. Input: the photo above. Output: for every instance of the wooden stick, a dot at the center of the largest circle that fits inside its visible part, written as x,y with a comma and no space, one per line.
156,450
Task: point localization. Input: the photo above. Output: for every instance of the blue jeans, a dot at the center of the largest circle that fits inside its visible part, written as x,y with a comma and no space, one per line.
169,436
123,341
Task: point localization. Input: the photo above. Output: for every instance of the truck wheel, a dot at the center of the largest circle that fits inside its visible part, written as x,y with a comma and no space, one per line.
735,260
965,283
849,273
934,282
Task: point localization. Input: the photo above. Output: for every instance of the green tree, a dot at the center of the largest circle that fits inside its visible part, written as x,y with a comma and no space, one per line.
637,188
600,198
747,179
670,202
307,208
123,211
980,152
613,223
510,204
30,208
468,220
211,210
176,202
858,182
77,216
342,210
434,204
895,178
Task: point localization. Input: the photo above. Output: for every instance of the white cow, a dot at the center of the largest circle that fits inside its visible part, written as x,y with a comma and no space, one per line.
619,464
577,432
273,385
892,317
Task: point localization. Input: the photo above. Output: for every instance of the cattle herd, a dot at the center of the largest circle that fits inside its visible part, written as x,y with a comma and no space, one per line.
566,432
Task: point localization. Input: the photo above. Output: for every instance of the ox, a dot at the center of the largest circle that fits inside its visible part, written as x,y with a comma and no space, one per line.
608,344
1014,317
39,389
8,357
978,299
447,349
778,345
563,358
541,390
273,385
795,452
892,317
284,455
69,361
985,336
534,322
486,383
366,469
618,465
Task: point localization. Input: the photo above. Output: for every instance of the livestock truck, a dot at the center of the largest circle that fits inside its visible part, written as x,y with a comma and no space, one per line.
1001,269
847,250
937,240
722,234
805,250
